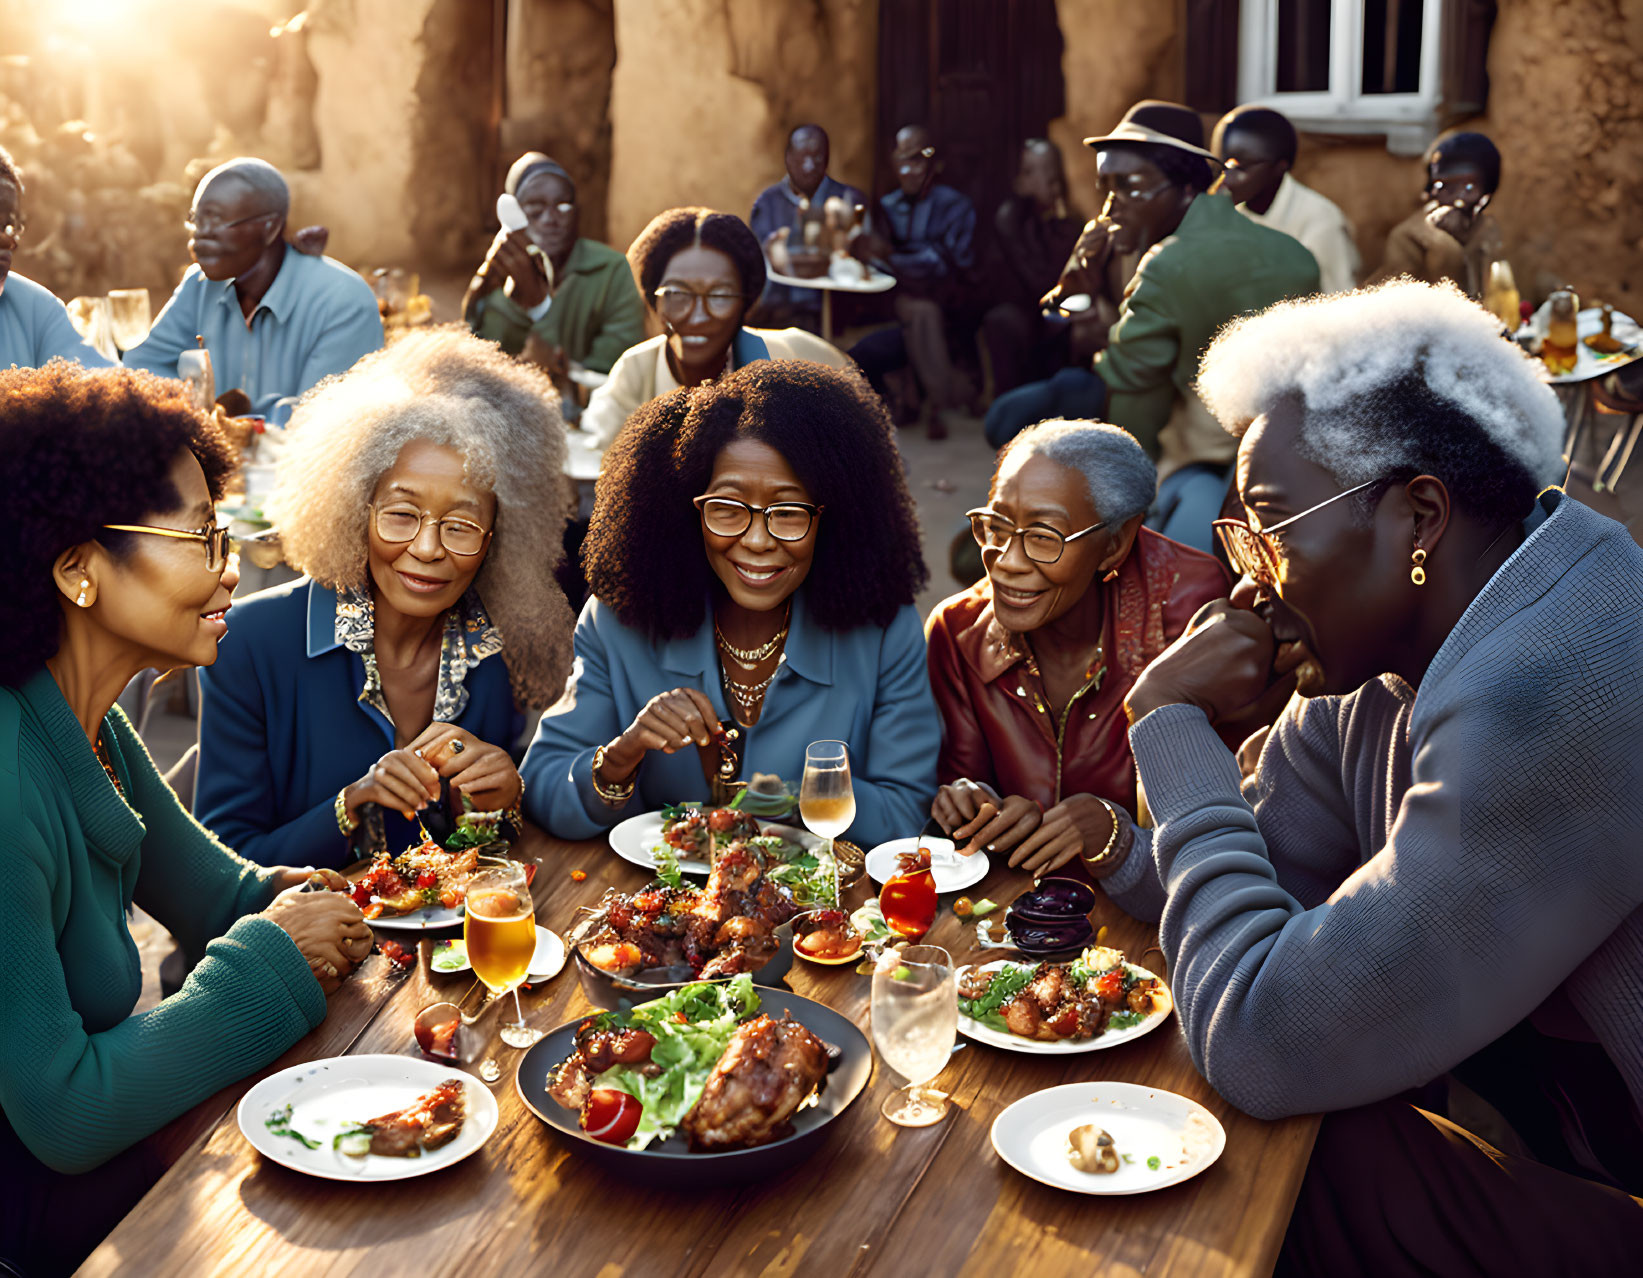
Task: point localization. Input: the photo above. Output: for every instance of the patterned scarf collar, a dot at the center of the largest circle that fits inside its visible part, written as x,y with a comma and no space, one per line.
469,638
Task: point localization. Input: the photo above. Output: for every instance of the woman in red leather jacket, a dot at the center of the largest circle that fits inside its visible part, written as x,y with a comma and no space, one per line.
1030,665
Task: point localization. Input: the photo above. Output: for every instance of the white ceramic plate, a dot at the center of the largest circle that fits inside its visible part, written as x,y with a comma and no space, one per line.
877,282
1588,363
1066,1047
953,873
425,920
545,963
1144,1122
634,839
330,1095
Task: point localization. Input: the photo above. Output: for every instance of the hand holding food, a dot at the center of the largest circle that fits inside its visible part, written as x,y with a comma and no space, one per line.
669,722
400,780
483,772
328,930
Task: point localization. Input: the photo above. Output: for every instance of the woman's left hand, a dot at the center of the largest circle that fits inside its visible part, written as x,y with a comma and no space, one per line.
1079,821
475,768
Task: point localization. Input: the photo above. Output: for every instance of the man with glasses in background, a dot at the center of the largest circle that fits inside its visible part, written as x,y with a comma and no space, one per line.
1204,264
546,294
275,322
34,327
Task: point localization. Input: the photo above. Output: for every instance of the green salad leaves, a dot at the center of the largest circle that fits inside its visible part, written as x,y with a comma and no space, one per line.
692,1027
279,1122
1007,982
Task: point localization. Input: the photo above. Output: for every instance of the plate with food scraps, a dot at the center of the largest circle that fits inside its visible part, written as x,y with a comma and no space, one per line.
1154,1138
953,873
655,1148
1097,961
339,1118
635,840
452,956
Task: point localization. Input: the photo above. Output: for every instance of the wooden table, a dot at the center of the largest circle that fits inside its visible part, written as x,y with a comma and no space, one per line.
874,1199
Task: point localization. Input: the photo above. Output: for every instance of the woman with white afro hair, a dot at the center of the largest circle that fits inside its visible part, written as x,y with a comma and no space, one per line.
1433,863
421,492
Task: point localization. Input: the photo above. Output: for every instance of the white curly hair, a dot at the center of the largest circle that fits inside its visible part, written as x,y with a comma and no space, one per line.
1352,359
451,388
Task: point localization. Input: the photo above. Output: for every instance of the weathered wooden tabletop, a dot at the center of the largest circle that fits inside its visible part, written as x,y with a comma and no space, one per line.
873,1199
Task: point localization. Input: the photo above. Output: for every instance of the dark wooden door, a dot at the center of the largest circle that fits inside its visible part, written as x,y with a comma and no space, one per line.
983,74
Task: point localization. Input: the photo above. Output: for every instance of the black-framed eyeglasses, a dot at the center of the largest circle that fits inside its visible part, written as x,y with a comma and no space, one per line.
783,520
1039,542
195,227
216,539
401,523
677,302
1254,553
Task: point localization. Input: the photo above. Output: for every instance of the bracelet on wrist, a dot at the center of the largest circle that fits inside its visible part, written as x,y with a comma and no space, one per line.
1112,852
613,796
347,822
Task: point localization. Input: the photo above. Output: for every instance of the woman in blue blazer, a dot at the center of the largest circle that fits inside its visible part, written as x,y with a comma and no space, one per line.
753,558
421,493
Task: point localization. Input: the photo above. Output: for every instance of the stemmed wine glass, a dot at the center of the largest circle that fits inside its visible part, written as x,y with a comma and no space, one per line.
827,804
500,929
131,316
915,1023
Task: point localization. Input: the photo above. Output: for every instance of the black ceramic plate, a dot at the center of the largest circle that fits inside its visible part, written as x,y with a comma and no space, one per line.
670,1163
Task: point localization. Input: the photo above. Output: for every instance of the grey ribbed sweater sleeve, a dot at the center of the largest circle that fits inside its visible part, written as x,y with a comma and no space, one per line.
1511,857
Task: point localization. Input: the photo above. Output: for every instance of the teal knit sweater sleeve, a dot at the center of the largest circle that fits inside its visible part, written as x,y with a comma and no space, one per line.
78,1083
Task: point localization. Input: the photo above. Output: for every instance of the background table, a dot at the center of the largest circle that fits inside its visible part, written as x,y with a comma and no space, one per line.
877,282
874,1199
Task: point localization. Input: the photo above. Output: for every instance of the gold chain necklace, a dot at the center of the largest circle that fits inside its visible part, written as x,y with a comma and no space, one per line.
749,658
747,696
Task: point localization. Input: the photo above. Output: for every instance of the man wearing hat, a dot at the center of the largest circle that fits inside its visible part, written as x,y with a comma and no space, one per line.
571,300
274,321
1203,264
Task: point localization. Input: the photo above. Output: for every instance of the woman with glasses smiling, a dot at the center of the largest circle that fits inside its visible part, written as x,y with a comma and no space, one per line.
1030,666
421,494
754,556
699,272
114,566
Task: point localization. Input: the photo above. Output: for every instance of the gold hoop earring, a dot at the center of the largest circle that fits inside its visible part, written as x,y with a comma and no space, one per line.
1417,574
85,584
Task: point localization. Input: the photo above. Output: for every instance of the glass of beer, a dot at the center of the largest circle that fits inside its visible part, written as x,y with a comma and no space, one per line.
500,928
827,804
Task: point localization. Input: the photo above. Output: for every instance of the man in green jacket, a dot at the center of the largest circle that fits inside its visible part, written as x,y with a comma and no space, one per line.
1204,264
548,296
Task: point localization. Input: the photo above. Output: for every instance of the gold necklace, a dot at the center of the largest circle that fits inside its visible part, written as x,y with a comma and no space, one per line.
749,658
747,696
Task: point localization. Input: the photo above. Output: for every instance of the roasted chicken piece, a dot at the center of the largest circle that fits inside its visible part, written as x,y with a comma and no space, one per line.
426,1123
769,1069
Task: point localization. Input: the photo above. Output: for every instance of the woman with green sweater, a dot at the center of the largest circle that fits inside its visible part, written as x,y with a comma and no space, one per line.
116,565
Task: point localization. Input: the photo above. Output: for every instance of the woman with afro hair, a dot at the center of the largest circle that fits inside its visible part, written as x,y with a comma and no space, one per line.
753,559
700,272
116,565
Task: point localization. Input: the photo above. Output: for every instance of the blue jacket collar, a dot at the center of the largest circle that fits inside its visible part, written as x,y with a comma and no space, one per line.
808,653
322,619
750,347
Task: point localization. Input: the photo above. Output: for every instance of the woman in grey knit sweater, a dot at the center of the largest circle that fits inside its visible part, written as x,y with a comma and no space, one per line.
1435,862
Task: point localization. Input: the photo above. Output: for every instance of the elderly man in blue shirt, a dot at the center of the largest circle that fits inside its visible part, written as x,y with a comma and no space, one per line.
275,321
778,206
34,327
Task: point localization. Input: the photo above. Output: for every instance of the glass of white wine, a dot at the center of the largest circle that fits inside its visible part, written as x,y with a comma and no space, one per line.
131,314
500,929
827,804
915,1023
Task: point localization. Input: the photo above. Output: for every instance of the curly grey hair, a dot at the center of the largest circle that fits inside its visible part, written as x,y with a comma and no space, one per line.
1393,380
449,387
1121,478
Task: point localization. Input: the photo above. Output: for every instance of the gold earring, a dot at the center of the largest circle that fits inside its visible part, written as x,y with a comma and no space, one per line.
1111,575
85,584
1417,574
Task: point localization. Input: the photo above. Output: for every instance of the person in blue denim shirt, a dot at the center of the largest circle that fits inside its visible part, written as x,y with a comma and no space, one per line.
753,556
276,322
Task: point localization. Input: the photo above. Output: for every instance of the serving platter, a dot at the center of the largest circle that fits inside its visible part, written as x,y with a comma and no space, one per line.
974,1029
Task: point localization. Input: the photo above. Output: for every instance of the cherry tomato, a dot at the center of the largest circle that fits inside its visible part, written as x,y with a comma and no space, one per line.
577,876
1110,985
361,895
964,907
427,879
722,819
611,1116
396,953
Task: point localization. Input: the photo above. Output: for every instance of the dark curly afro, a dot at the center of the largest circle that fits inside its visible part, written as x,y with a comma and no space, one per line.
672,232
78,450
643,554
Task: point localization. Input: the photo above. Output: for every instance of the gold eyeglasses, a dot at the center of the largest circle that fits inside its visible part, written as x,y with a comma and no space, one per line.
1253,552
398,524
1041,543
216,539
678,302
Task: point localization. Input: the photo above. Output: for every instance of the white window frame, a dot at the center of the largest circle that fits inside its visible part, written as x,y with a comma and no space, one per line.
1409,120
